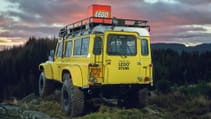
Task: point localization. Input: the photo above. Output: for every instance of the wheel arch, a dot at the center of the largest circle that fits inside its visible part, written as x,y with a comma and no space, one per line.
65,71
41,68
47,69
75,75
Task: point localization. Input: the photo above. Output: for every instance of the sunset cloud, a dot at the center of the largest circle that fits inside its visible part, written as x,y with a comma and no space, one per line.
6,42
173,21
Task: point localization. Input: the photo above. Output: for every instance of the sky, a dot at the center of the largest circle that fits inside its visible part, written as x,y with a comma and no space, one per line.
172,21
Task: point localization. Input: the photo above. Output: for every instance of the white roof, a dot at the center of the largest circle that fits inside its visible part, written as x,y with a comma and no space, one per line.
103,28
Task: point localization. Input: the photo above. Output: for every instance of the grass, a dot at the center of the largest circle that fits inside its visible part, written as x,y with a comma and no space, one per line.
197,90
186,102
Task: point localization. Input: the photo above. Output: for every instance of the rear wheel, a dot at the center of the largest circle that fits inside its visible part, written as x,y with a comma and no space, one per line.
46,87
135,98
142,97
72,98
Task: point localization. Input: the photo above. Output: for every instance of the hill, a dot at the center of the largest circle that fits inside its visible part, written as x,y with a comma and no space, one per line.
181,47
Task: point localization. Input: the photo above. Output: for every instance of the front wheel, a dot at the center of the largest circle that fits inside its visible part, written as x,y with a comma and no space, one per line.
46,87
72,98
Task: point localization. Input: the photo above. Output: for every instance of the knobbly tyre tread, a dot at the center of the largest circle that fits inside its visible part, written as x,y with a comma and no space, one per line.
75,98
143,97
48,86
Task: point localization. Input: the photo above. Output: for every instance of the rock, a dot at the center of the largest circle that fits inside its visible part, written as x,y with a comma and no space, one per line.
27,114
3,110
31,107
12,101
8,111
17,112
35,101
26,106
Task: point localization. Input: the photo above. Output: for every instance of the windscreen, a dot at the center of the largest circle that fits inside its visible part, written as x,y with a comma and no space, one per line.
121,45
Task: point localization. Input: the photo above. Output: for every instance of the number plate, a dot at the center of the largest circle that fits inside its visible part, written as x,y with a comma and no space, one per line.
96,71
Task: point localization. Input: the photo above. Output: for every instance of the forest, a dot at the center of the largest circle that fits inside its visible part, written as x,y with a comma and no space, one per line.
19,67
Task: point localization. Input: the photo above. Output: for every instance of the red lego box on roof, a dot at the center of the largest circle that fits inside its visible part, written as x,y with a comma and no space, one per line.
100,11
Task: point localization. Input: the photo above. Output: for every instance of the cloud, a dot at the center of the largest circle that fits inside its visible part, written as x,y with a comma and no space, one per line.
168,18
195,34
49,11
4,21
195,2
6,42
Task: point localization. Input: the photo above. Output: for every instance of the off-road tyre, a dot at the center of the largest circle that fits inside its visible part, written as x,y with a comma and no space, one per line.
72,98
142,97
45,86
135,99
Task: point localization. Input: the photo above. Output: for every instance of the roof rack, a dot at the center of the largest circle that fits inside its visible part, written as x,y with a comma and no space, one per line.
89,23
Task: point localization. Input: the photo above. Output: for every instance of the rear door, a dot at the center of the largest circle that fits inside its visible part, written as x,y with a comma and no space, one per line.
121,58
145,60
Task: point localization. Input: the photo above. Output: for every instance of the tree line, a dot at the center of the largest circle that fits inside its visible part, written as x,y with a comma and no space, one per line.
19,67
172,68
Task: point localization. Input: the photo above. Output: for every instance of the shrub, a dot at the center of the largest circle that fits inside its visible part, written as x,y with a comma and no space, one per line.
202,89
163,86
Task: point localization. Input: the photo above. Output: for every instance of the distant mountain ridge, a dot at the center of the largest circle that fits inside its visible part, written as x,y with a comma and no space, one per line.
181,47
173,46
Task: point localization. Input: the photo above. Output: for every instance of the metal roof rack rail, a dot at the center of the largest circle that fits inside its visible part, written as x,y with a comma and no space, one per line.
88,24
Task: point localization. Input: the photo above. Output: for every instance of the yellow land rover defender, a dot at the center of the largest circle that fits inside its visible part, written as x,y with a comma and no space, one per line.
106,58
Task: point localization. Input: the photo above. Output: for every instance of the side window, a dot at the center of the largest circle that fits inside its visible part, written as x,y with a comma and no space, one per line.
59,50
81,46
68,51
144,47
97,46
85,46
77,47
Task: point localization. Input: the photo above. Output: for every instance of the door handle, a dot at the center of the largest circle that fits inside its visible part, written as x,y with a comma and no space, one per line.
108,61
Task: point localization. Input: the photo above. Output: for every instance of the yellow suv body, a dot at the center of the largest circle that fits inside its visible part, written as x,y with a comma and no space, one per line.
102,54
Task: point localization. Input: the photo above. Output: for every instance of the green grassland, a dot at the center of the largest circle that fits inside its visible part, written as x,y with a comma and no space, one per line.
184,102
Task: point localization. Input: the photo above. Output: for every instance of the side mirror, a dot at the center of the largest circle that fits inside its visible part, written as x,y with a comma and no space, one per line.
51,56
97,46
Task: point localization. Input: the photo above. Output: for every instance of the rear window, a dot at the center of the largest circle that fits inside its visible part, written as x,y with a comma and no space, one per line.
121,45
144,47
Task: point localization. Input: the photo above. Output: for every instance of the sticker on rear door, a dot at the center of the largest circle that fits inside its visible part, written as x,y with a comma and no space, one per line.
124,65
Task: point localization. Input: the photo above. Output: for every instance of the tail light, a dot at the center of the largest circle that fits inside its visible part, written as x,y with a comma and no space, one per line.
147,79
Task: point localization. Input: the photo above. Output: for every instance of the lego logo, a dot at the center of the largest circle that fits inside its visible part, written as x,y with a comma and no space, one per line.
101,14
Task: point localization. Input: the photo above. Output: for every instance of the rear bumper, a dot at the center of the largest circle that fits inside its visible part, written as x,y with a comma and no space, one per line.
115,90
